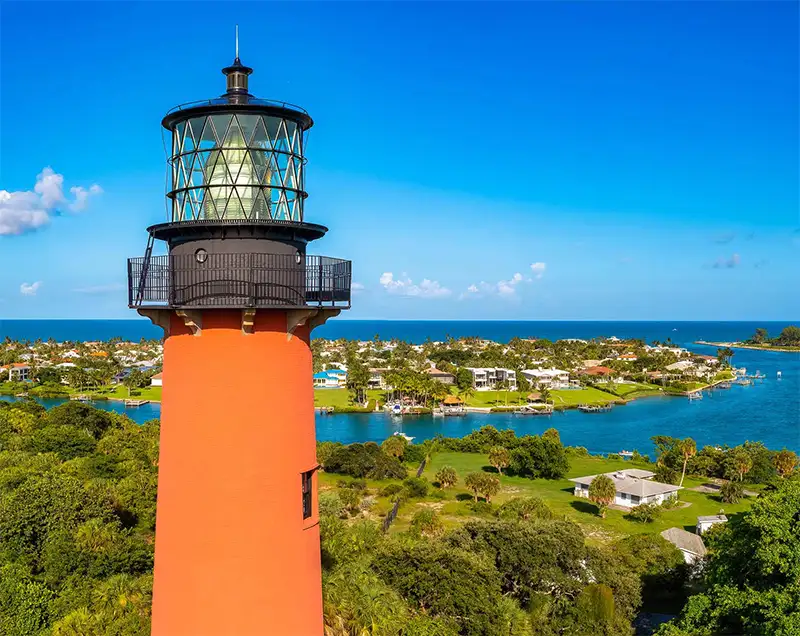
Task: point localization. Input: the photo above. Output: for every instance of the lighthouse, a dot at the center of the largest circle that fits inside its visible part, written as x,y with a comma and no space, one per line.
237,294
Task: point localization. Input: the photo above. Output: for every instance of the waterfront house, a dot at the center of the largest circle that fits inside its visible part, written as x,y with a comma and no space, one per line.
628,357
376,379
634,486
156,380
706,521
691,545
547,378
331,379
599,371
18,372
440,376
487,378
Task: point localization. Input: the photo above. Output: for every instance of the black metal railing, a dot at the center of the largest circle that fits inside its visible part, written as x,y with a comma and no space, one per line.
238,281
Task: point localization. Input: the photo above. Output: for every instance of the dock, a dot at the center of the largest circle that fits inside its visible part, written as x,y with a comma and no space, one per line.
80,398
594,408
134,403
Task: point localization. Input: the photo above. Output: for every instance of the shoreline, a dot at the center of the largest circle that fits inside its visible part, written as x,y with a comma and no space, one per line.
740,345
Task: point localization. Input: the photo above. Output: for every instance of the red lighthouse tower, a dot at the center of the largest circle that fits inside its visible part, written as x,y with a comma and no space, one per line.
237,538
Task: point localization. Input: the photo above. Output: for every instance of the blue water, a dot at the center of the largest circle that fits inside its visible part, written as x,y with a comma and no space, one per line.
767,411
415,331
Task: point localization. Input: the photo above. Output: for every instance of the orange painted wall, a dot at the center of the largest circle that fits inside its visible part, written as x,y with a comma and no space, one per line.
234,555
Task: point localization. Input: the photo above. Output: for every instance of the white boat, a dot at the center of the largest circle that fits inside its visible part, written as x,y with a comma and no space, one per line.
403,435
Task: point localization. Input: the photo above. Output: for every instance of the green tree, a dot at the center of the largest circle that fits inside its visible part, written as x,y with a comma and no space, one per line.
448,583
602,493
499,457
473,482
524,509
395,446
786,462
731,492
447,477
752,574
688,449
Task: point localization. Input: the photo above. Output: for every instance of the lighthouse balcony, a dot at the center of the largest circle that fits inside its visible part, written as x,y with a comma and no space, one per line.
225,281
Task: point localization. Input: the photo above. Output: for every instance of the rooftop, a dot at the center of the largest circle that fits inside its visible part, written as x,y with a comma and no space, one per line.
632,481
712,518
683,540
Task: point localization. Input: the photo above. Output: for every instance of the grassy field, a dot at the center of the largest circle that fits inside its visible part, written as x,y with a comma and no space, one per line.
117,392
639,389
454,503
576,397
340,398
558,495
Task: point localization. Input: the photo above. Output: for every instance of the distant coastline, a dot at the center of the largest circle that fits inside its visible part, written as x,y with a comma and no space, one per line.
741,345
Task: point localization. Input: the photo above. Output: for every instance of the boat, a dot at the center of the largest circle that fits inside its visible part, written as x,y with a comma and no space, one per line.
723,385
396,409
80,398
438,413
403,435
697,395
594,408
625,453
532,410
744,382
779,375
136,402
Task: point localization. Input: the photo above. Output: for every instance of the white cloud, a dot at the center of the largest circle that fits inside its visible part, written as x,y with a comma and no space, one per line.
357,288
503,288
100,289
404,286
538,269
30,290
28,210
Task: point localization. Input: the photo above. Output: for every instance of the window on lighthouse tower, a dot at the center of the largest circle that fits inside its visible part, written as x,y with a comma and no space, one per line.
307,481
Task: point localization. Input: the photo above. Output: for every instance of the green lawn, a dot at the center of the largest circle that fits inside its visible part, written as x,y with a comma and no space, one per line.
340,398
110,392
558,495
587,395
638,389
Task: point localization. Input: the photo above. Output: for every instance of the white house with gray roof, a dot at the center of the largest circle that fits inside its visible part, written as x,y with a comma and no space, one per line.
634,486
690,544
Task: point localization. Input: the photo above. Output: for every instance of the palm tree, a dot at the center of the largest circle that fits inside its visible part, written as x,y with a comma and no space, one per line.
688,449
602,492
466,394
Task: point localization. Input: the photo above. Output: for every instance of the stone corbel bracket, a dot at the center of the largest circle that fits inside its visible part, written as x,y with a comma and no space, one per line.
248,321
159,317
192,319
312,317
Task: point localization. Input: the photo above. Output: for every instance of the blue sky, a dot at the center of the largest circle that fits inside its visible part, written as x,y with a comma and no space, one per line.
479,160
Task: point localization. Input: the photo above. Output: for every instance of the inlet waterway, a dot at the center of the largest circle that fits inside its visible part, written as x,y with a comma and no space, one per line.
766,411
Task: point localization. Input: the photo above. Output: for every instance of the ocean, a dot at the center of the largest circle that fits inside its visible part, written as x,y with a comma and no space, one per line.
416,331
767,411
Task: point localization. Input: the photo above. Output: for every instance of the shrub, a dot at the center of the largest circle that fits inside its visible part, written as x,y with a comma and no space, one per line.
524,508
426,522
330,504
481,508
666,475
577,451
539,457
732,492
645,513
614,456
350,499
417,487
365,460
390,490
602,492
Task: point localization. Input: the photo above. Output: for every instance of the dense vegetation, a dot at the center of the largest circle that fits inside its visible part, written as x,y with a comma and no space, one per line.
789,337
77,517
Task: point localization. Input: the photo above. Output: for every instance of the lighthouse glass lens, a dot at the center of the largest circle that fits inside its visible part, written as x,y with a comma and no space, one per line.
201,255
297,257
